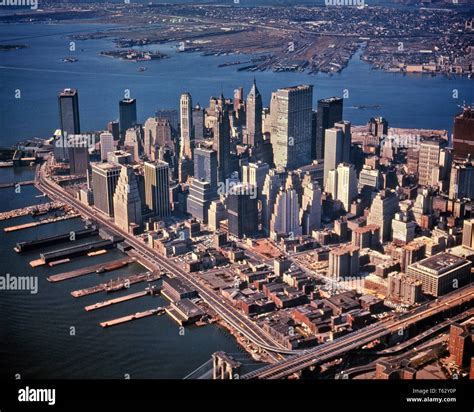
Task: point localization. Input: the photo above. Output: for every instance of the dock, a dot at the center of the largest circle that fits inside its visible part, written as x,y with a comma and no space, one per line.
32,210
14,184
110,302
52,240
41,222
78,250
117,284
138,315
99,268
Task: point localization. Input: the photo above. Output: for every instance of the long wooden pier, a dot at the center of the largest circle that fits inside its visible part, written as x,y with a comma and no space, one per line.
99,268
138,315
110,302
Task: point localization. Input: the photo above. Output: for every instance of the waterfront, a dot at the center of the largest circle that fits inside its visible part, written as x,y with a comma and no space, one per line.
35,329
39,73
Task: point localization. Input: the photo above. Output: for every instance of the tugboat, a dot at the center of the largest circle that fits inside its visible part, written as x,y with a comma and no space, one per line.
141,69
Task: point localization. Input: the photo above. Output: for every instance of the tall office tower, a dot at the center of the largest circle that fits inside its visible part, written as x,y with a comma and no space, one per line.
198,122
133,143
273,181
346,184
199,199
242,211
68,102
255,174
186,124
329,112
216,214
345,126
291,126
114,128
378,126
403,229
343,261
104,180
253,135
422,206
205,165
463,134
468,234
238,98
462,180
382,211
185,169
285,218
221,144
429,156
310,213
106,145
157,188
78,149
157,134
172,115
127,115
127,203
314,130
333,150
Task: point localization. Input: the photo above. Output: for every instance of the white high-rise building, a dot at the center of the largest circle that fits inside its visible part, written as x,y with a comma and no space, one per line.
127,203
346,184
291,129
285,218
310,213
106,145
186,124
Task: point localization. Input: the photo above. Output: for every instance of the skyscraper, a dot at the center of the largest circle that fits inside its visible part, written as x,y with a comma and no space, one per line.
205,165
78,149
186,123
127,115
428,163
254,174
285,218
242,211
310,212
333,150
221,143
329,112
198,122
463,134
253,135
382,211
68,101
273,181
106,145
342,184
291,114
127,203
461,181
104,180
157,189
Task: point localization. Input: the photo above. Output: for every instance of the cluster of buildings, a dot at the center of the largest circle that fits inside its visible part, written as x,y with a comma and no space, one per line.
390,212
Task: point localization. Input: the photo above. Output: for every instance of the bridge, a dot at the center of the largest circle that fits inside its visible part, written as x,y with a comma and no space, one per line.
331,350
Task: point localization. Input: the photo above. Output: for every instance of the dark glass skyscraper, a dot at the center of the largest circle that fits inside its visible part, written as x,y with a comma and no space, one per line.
127,114
205,165
329,112
68,101
221,143
242,212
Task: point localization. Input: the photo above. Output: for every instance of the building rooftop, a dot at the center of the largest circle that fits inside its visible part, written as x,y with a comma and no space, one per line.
440,263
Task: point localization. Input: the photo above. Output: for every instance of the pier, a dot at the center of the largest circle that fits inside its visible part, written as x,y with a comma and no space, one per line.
52,240
99,268
14,184
32,210
70,215
75,251
138,315
110,302
118,284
